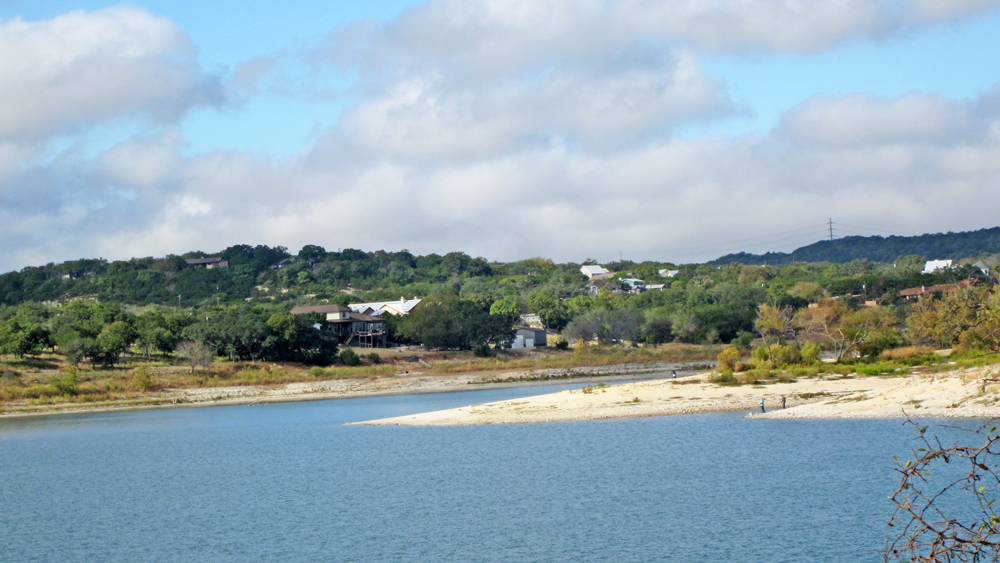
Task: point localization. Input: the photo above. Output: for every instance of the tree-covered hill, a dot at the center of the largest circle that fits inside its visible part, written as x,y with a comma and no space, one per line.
940,246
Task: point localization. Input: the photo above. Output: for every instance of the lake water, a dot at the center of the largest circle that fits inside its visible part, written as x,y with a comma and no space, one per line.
290,482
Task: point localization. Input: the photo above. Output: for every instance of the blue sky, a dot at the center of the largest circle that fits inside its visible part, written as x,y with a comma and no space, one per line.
663,130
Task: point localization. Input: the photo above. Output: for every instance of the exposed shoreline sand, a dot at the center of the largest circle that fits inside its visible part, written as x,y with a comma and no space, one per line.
402,384
950,394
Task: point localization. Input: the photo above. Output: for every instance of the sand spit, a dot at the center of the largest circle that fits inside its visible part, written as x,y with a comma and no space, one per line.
401,384
955,394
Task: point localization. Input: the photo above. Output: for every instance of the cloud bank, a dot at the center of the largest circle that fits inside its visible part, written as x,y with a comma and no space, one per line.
504,129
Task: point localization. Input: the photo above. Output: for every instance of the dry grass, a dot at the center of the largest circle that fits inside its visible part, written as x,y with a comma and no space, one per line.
594,356
906,352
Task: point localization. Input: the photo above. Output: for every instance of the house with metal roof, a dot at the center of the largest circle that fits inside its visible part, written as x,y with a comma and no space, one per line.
402,307
595,271
350,328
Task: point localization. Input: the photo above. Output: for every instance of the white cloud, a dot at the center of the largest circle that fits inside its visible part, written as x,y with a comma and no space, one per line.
83,68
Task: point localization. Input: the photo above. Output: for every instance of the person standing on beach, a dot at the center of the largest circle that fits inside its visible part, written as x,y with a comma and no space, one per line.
782,401
673,374
761,403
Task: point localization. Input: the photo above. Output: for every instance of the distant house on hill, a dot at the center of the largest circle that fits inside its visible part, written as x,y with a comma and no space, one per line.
395,308
211,262
635,285
594,271
983,267
934,265
668,273
350,328
532,320
922,291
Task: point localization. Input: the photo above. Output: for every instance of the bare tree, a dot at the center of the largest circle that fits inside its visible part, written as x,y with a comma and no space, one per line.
194,354
938,481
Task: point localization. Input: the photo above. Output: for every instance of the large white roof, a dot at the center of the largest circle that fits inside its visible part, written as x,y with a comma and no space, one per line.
594,270
402,307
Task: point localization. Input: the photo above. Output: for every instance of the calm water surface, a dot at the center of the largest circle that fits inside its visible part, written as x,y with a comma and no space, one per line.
290,482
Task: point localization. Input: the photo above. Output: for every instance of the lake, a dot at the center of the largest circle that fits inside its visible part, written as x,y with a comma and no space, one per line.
291,482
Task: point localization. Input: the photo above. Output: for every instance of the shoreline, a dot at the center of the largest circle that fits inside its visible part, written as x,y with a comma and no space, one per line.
415,384
955,394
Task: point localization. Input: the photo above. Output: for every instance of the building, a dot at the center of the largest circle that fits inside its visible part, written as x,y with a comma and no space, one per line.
532,320
211,262
402,307
529,337
595,286
668,273
595,271
635,285
983,267
934,265
655,287
350,328
922,291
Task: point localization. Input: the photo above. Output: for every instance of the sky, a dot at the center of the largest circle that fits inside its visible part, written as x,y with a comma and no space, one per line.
675,130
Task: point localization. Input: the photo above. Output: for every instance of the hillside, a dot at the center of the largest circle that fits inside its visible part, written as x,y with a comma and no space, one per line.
938,246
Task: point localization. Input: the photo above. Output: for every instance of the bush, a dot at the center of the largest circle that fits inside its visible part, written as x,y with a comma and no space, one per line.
726,377
743,340
810,353
349,357
482,351
317,371
562,345
142,379
728,358
67,384
374,358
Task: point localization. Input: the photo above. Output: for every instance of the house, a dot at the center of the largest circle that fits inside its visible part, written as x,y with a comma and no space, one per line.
634,285
595,286
402,307
529,337
655,287
350,328
983,267
532,320
934,265
668,273
210,263
914,292
595,271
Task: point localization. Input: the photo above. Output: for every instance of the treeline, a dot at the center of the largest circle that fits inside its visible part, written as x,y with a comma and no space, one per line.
101,333
940,246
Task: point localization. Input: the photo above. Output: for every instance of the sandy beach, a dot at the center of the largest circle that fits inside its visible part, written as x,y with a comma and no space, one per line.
951,394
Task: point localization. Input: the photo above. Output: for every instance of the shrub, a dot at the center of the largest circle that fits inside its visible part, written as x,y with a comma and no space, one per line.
317,371
562,345
582,348
67,384
810,353
142,379
741,366
728,358
781,355
760,354
374,358
349,357
482,351
726,377
743,340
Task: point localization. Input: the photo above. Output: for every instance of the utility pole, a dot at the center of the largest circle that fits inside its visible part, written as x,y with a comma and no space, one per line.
831,228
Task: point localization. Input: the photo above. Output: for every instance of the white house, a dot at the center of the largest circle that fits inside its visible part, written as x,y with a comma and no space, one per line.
668,273
634,284
594,271
402,307
934,265
529,337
